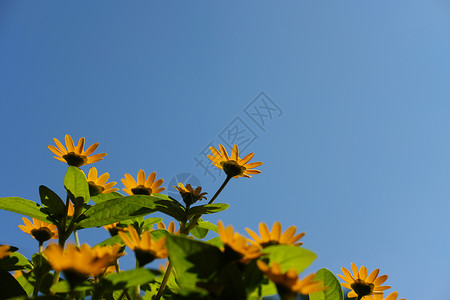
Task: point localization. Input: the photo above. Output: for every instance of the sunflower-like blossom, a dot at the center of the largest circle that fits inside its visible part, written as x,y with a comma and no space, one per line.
81,262
114,229
362,285
288,283
75,156
145,249
391,296
40,230
236,245
233,165
97,184
5,250
275,237
142,186
189,194
170,228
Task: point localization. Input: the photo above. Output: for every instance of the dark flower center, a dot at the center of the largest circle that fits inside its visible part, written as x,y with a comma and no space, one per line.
232,168
144,256
269,243
94,189
42,234
74,159
362,288
141,190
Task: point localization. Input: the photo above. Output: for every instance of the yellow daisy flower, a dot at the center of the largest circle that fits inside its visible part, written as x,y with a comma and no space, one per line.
82,262
288,284
170,228
362,285
189,195
233,165
75,156
241,249
391,296
98,185
275,237
145,249
142,186
5,250
40,230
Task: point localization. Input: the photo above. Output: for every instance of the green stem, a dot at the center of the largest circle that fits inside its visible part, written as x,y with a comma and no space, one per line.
138,287
77,240
38,277
164,281
194,220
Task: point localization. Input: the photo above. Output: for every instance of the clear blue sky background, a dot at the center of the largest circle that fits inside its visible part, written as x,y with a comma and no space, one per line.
359,159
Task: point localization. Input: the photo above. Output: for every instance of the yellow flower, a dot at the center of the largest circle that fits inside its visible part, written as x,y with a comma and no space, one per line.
391,296
5,250
145,249
241,249
114,229
83,261
288,283
189,195
40,230
233,165
170,228
98,185
362,285
275,237
75,156
142,186
70,210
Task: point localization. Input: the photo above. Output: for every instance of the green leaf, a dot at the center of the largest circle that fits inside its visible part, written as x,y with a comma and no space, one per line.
64,287
127,279
253,277
208,225
115,210
194,261
105,197
52,201
201,229
334,290
15,261
9,287
290,257
111,241
129,207
77,186
199,232
215,241
207,209
25,207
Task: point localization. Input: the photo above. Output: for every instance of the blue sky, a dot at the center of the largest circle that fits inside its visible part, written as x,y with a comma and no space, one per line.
359,158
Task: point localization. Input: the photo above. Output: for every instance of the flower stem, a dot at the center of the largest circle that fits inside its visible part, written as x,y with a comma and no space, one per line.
138,287
77,240
164,281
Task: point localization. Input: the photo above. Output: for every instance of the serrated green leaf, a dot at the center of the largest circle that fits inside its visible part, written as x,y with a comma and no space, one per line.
15,261
334,290
106,197
148,223
64,287
52,201
208,209
25,207
194,261
126,208
77,186
127,279
113,211
290,257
